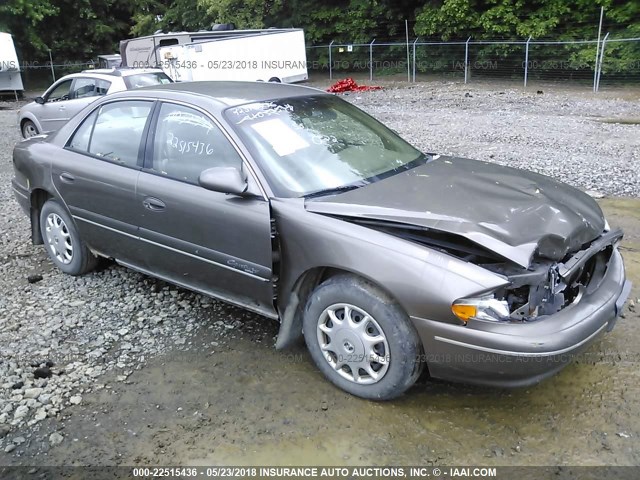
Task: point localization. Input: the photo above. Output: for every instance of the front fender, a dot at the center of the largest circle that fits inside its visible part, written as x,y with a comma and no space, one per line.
423,281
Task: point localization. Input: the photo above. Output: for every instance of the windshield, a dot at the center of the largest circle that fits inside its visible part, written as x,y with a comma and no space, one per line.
307,145
148,79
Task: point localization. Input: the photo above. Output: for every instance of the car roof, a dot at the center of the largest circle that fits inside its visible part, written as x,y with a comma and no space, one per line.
120,72
231,93
110,73
87,73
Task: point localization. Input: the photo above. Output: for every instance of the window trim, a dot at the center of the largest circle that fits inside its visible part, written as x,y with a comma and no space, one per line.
143,139
149,144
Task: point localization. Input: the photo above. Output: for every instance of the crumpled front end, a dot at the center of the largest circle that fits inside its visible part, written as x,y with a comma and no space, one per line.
547,287
531,328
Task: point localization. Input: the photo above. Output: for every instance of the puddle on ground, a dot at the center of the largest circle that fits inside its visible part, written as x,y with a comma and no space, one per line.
621,121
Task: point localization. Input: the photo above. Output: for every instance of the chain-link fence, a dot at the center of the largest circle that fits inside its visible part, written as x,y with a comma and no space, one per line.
39,75
593,63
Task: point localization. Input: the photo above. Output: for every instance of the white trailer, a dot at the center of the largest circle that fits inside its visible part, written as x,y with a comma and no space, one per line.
268,55
10,78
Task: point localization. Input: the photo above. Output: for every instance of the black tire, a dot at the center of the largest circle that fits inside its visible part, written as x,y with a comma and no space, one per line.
404,346
77,261
29,129
275,80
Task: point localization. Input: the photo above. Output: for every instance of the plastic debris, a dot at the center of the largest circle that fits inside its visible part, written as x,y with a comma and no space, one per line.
350,85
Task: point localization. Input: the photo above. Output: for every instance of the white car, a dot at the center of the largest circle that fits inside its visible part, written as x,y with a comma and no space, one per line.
72,93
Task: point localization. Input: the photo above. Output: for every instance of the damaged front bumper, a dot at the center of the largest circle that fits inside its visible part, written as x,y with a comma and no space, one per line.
505,354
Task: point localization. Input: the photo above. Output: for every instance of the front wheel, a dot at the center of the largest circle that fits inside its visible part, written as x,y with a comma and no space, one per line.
29,129
361,339
62,241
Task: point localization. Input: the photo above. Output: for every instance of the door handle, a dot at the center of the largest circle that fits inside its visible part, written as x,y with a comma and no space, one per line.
62,107
153,204
67,177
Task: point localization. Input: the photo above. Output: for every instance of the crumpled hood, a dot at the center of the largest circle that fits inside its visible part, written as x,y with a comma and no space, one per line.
512,212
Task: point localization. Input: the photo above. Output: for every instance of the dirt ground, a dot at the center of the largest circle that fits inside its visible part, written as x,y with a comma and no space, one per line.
244,403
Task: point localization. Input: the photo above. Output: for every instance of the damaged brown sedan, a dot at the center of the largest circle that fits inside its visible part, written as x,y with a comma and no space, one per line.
295,204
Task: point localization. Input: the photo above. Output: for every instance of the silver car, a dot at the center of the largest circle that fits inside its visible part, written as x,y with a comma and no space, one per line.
72,93
295,204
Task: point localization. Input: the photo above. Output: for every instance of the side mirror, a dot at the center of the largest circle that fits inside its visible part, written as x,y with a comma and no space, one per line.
224,180
40,100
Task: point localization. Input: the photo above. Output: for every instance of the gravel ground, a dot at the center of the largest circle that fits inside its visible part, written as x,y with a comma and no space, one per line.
63,338
55,347
563,135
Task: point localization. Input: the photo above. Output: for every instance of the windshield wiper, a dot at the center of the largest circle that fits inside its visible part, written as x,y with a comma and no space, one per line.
334,190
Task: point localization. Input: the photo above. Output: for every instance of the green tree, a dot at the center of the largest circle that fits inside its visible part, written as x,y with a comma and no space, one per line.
22,18
242,13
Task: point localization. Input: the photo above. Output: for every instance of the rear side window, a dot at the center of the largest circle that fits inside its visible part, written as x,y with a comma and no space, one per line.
113,132
102,87
83,87
146,80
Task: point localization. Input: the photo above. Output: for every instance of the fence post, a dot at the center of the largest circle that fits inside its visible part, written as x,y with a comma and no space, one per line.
414,60
526,61
406,28
53,72
330,62
595,70
466,60
371,59
604,42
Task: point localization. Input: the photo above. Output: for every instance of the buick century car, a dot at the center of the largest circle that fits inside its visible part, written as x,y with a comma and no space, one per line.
294,204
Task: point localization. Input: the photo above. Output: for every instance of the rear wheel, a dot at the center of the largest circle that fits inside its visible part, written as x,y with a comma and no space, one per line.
361,339
275,80
29,129
62,241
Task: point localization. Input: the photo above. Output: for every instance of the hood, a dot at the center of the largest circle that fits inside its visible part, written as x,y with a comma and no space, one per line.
514,213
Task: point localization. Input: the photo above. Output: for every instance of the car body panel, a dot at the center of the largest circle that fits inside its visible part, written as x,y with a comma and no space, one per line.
255,249
511,212
420,279
102,210
231,241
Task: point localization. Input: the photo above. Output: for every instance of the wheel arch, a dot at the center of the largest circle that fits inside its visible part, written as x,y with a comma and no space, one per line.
39,197
29,117
290,331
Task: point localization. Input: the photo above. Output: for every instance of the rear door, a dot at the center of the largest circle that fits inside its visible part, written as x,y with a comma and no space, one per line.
96,176
212,242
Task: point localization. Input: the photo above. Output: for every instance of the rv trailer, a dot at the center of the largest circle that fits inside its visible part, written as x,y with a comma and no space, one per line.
10,78
251,55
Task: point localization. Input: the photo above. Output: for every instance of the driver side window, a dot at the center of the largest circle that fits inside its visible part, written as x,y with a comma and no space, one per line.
187,142
60,92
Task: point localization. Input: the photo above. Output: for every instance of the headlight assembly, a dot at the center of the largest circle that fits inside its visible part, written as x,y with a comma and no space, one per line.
481,308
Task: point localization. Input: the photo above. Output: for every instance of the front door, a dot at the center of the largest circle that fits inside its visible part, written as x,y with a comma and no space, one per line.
212,242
